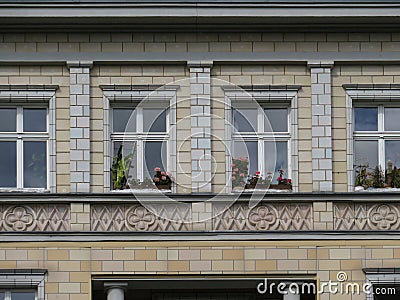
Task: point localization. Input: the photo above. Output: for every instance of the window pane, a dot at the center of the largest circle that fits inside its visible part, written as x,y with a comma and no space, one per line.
154,120
8,119
245,119
366,152
8,164
276,158
124,120
22,295
1,295
366,119
35,167
129,154
276,119
392,152
392,117
155,154
248,150
35,120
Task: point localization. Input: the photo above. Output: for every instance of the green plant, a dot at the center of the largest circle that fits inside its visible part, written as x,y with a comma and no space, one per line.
396,178
119,169
240,171
362,176
378,177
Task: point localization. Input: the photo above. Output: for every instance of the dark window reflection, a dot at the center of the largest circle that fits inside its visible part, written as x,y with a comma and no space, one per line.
366,118
2,296
276,119
124,120
154,120
8,164
35,120
392,152
247,150
35,167
392,119
22,295
276,158
154,157
366,152
245,119
8,120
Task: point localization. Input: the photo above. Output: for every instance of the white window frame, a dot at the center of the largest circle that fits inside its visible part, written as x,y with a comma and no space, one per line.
381,278
261,136
368,96
140,137
15,96
268,96
23,280
380,135
130,96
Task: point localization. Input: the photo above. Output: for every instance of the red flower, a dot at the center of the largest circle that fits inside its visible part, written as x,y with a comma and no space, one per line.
258,173
163,178
162,173
157,169
279,178
289,181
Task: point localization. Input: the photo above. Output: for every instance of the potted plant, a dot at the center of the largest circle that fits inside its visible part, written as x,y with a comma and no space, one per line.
162,180
239,172
119,170
256,181
283,183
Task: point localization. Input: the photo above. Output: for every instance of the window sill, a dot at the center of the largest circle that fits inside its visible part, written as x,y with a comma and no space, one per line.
260,191
17,190
376,190
140,191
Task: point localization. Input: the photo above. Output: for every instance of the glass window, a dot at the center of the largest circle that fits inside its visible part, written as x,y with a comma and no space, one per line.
35,165
366,118
124,120
154,120
154,157
276,119
249,151
8,120
366,152
8,164
22,295
245,119
25,143
144,151
392,119
2,294
276,158
392,152
35,120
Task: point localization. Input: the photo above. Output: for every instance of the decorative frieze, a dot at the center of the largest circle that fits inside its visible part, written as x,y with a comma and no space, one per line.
135,217
271,216
366,216
46,217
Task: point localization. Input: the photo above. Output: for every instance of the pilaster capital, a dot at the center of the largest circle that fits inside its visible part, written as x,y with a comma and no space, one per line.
79,64
199,63
320,64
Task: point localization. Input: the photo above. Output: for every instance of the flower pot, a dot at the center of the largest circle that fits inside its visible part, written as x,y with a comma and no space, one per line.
257,186
163,186
281,186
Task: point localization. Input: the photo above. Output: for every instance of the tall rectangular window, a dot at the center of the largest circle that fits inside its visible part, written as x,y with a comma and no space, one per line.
376,136
141,135
261,139
23,147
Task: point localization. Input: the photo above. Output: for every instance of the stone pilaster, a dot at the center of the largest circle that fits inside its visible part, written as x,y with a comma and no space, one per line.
200,109
321,125
80,125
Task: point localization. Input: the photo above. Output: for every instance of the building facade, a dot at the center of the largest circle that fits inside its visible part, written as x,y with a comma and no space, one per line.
263,125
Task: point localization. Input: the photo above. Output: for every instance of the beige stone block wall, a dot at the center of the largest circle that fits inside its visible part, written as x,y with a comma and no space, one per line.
48,75
71,265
